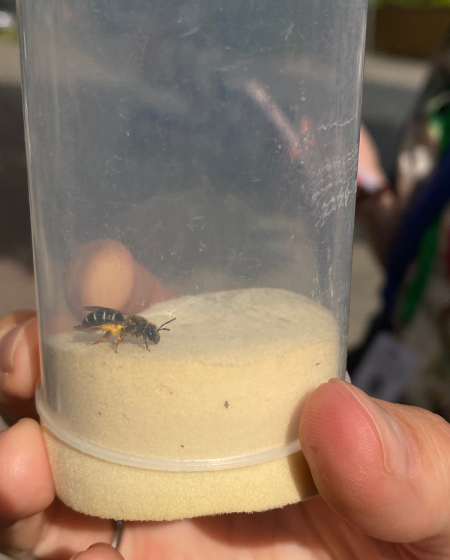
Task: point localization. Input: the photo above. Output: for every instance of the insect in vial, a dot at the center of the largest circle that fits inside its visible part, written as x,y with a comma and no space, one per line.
121,325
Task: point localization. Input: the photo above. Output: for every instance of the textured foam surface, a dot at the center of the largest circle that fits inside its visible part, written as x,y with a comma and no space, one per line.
103,489
230,379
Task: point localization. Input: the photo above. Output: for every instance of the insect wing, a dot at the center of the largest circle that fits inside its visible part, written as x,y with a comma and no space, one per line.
108,310
87,328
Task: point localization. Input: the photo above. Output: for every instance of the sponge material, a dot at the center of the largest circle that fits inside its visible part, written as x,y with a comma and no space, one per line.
112,491
229,379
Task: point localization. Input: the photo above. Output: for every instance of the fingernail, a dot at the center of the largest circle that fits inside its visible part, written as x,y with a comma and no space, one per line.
398,448
8,344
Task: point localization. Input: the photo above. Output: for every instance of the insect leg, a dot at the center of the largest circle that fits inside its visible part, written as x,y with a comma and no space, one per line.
119,340
146,343
102,339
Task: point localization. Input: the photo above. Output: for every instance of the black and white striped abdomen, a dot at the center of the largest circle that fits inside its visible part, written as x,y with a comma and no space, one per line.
103,315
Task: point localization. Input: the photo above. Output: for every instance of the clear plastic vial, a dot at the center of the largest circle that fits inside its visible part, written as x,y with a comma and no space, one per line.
193,174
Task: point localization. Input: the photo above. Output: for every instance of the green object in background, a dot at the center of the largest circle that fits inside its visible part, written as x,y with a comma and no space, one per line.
10,35
427,254
438,109
8,24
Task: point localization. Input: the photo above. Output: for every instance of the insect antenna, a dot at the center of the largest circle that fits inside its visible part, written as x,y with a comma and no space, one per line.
166,323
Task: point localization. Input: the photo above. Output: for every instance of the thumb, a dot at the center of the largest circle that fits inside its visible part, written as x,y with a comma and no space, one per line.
381,466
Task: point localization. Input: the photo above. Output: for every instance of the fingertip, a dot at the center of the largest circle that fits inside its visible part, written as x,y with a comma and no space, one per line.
19,364
26,483
342,448
15,318
381,466
99,551
100,273
335,432
21,381
147,290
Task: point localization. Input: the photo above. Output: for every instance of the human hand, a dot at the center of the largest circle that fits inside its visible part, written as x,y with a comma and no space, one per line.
103,272
381,470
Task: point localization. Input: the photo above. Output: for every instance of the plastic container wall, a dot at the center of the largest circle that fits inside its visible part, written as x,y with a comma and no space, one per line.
191,161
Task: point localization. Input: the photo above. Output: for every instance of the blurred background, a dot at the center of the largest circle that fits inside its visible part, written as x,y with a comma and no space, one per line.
392,82
402,39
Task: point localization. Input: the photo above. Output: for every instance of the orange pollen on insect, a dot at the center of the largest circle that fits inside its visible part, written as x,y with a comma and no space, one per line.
113,329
